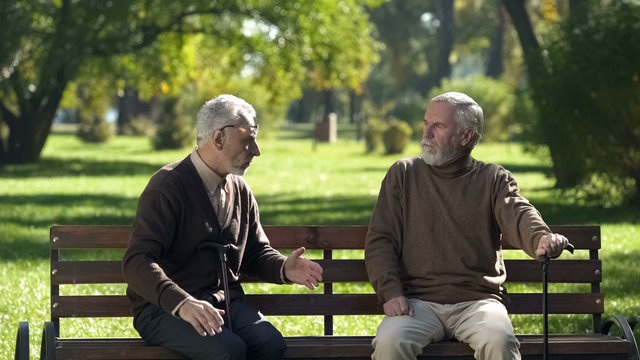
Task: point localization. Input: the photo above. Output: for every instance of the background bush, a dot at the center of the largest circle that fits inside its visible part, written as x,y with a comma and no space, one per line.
175,130
396,137
373,133
589,97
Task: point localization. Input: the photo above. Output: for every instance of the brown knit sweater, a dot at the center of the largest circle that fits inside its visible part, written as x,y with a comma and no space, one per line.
435,231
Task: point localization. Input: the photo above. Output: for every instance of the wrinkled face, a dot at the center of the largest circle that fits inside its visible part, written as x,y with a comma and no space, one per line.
241,147
441,139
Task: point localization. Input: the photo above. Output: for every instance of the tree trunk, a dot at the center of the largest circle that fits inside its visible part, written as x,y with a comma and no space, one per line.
495,65
445,40
567,172
27,136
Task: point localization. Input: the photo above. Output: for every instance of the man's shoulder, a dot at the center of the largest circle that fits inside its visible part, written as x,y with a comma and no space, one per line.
170,174
409,162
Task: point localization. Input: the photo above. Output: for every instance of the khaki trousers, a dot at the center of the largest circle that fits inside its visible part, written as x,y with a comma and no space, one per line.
484,325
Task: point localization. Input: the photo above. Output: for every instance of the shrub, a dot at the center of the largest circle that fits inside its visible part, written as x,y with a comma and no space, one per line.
94,129
373,133
141,125
174,130
396,137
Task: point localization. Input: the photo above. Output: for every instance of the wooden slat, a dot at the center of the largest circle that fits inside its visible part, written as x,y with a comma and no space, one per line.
89,237
589,346
86,272
559,271
320,304
564,271
582,237
283,237
559,303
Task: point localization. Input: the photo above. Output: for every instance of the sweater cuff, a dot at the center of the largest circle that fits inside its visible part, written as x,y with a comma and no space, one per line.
283,276
174,312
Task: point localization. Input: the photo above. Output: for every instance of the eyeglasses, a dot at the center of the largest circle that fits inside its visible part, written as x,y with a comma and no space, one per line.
253,128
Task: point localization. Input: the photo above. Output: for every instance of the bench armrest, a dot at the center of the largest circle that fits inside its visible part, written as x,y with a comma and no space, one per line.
627,332
48,345
22,341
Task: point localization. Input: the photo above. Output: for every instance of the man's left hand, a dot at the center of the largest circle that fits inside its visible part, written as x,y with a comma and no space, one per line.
302,271
551,245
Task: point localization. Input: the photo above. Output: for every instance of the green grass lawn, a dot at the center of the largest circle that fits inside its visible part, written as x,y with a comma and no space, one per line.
296,181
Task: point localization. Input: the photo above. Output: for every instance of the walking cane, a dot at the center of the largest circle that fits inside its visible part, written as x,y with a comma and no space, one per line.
221,250
544,260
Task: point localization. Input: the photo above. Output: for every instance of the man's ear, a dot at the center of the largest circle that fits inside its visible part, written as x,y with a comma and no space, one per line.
467,136
218,139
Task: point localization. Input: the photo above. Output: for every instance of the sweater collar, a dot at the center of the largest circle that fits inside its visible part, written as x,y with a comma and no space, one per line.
456,167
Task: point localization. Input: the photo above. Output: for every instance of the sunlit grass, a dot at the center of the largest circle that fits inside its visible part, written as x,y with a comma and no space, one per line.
296,181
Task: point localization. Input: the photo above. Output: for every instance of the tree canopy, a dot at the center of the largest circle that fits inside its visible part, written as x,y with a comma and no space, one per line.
161,46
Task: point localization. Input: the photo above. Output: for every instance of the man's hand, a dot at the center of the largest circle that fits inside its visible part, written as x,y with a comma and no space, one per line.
398,306
551,245
206,319
302,271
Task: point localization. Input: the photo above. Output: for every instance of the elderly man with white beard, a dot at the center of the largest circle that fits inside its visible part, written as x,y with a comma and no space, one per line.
433,251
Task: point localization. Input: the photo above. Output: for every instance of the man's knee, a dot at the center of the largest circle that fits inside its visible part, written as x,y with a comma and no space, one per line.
230,348
270,345
499,345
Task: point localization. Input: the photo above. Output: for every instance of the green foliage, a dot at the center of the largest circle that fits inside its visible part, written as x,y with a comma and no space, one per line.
396,136
495,98
95,129
141,125
93,104
588,99
373,133
166,46
175,130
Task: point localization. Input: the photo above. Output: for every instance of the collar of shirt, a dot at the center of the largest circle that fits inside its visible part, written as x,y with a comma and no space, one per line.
210,179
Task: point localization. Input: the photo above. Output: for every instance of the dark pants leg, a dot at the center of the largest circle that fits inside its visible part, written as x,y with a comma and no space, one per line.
254,337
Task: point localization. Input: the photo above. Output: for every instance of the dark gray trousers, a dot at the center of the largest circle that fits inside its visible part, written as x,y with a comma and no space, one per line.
253,338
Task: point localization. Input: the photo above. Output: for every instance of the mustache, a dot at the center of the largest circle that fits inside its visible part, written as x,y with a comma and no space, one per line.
425,142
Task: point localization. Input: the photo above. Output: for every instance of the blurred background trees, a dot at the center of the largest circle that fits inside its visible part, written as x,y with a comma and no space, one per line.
562,75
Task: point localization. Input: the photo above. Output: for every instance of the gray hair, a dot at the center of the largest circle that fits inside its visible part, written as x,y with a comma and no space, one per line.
221,111
468,113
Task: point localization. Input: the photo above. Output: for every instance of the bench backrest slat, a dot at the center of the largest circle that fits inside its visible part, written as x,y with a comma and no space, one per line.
281,237
337,271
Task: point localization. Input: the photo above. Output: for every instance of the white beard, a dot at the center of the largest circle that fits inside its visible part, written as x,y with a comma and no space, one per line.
441,156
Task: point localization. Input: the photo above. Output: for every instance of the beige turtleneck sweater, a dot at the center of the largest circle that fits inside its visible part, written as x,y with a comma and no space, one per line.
435,231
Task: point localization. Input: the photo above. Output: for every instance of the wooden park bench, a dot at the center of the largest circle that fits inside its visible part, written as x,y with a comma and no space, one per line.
597,344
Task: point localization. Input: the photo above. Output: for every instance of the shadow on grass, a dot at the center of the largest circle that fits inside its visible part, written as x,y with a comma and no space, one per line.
621,273
555,212
78,209
287,209
24,249
54,167
520,168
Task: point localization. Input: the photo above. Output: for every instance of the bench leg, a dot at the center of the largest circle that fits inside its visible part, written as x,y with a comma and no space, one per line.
22,341
48,345
627,332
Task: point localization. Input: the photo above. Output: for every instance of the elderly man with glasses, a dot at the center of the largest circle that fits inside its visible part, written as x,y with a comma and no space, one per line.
183,294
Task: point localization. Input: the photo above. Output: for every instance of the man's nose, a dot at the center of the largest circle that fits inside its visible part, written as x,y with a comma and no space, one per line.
427,132
254,148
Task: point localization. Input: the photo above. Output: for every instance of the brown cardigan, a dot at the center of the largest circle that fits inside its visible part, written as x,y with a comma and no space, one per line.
435,231
163,264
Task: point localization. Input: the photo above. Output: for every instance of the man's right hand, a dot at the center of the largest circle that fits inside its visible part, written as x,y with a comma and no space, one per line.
398,306
206,319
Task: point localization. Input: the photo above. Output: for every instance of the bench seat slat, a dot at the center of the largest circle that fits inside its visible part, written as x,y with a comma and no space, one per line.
357,346
319,304
336,271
